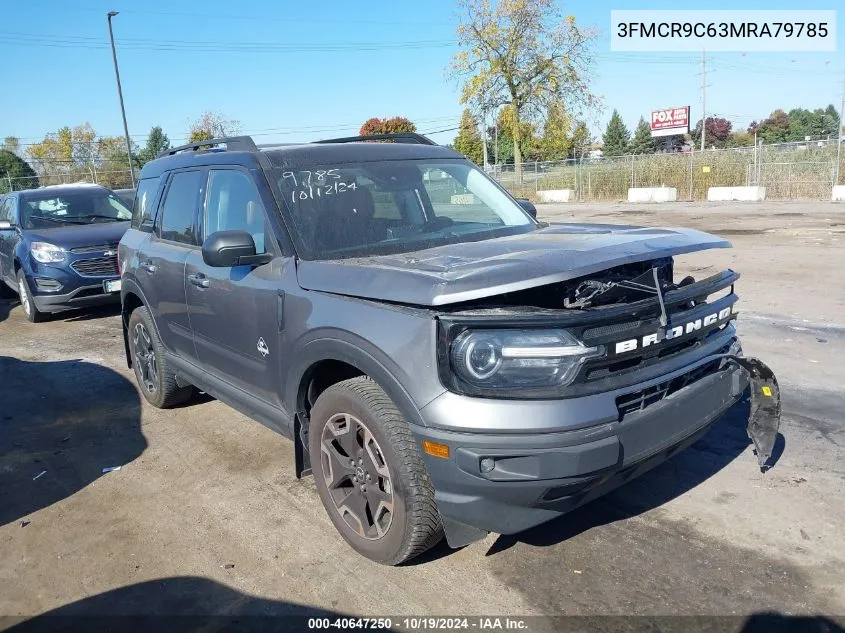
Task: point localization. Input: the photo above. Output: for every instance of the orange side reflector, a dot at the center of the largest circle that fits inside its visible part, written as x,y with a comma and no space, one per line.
438,450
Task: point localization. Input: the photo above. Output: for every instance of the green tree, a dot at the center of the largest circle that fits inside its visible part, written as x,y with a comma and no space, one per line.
15,173
739,138
112,164
392,125
643,141
469,141
12,144
212,125
774,129
523,54
616,136
581,140
157,142
556,142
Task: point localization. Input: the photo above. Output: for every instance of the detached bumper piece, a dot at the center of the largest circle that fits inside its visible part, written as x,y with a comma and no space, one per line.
764,419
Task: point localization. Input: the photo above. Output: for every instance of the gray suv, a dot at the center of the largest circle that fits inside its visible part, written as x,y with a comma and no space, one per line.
442,361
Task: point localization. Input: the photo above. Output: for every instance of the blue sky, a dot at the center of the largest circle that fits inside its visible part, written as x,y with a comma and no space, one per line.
294,71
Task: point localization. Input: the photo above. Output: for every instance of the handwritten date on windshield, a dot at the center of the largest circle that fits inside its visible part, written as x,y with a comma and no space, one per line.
318,191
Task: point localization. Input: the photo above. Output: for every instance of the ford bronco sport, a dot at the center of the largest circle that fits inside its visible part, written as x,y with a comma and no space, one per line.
443,362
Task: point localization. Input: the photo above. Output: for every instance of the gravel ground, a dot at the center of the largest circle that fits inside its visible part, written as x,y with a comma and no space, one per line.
206,517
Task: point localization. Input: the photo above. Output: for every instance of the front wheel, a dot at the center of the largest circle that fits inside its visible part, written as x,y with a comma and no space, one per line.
33,315
370,475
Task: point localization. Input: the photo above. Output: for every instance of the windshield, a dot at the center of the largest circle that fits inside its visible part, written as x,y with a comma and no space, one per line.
81,206
361,209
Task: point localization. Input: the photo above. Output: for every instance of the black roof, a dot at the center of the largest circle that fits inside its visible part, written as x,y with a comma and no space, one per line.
242,151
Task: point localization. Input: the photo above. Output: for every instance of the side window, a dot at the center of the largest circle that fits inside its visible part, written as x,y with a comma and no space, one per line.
233,203
4,209
144,209
176,219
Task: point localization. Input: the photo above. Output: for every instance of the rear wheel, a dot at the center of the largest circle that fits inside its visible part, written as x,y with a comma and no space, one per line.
33,315
370,475
156,380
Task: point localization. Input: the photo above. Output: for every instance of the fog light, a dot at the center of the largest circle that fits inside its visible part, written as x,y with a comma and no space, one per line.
43,283
487,464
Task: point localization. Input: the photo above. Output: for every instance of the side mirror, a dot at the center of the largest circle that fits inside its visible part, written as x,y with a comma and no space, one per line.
528,207
224,249
5,225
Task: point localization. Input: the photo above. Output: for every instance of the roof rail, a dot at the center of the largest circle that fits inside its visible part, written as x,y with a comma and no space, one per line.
232,143
399,137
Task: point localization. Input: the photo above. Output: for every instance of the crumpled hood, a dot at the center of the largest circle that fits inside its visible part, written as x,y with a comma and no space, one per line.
76,235
473,270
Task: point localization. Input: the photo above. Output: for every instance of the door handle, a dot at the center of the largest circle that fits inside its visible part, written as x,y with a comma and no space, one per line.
198,280
148,266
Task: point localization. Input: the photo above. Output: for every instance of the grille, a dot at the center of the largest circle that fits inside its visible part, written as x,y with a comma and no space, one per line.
94,249
97,266
640,400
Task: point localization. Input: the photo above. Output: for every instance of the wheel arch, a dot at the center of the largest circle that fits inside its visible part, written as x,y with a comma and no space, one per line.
324,362
132,298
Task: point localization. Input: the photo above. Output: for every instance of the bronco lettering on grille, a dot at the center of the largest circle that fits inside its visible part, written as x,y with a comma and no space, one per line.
674,332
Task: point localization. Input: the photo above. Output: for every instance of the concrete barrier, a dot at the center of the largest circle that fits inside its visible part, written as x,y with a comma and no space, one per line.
556,195
463,198
652,194
743,194
838,194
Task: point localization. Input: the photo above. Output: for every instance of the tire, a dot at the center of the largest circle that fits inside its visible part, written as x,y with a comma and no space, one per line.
155,379
390,473
33,315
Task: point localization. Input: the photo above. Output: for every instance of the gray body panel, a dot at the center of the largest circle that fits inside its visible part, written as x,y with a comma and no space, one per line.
473,270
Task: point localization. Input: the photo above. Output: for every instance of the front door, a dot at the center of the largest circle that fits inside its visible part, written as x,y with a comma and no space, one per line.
8,239
236,312
162,259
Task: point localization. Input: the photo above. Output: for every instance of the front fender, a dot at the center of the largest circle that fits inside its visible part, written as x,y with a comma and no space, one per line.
359,353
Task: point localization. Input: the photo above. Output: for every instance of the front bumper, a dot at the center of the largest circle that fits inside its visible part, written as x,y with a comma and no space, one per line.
534,477
81,297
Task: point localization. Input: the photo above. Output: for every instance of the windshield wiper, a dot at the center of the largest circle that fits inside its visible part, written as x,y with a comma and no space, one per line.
54,219
95,216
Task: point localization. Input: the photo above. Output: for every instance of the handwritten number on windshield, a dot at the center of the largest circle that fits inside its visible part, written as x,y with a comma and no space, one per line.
305,176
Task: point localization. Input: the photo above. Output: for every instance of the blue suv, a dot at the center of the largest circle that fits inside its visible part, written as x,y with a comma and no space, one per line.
58,247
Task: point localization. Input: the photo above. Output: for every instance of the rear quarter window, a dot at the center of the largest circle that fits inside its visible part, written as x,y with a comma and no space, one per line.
143,212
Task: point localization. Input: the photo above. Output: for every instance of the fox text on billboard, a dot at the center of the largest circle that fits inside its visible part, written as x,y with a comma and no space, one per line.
669,121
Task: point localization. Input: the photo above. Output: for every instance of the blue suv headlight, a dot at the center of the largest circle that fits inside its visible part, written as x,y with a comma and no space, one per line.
47,253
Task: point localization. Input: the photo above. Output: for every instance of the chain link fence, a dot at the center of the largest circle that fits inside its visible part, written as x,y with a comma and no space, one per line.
788,171
114,179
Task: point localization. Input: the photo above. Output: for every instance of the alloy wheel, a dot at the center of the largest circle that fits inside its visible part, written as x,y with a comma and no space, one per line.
24,296
357,476
145,358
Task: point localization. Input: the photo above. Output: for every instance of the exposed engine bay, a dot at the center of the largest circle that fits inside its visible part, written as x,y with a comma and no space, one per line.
622,284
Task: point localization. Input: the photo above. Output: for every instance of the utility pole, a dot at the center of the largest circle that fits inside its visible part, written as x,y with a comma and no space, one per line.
110,15
839,135
703,97
484,137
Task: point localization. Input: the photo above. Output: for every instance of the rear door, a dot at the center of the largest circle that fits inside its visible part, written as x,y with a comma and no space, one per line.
161,260
236,312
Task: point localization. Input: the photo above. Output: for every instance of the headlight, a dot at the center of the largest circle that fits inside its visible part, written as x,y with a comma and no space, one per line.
502,359
47,253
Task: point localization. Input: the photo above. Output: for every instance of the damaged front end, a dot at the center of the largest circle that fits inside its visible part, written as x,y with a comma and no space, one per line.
645,323
764,417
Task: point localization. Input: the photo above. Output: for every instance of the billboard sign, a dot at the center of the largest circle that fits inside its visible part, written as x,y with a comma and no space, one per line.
670,121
